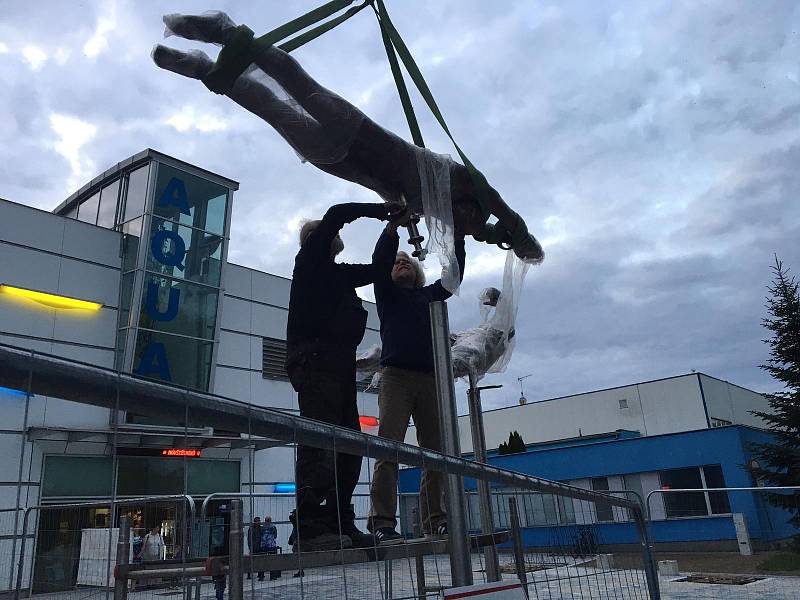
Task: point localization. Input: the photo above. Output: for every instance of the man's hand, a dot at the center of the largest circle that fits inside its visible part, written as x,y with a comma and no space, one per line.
399,215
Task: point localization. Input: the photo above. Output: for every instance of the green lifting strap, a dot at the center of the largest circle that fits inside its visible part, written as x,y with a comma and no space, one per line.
239,52
478,179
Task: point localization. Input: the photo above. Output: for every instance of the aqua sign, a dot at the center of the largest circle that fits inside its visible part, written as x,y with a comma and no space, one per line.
169,249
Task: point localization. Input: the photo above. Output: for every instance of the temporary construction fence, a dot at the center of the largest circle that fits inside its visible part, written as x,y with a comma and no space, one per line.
454,562
733,555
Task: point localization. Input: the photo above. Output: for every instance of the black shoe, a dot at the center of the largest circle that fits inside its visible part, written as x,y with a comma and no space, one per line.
387,536
359,538
322,542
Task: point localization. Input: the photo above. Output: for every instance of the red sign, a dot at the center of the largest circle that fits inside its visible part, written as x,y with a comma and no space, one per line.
188,452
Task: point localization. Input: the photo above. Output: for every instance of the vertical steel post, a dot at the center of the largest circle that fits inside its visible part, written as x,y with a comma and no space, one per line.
516,537
235,552
460,559
416,526
648,557
123,557
484,493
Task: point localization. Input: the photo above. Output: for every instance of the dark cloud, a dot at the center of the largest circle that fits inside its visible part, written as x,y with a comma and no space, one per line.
652,146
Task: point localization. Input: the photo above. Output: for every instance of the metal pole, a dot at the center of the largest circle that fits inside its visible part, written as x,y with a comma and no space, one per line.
123,557
416,525
235,552
648,557
484,492
460,559
516,535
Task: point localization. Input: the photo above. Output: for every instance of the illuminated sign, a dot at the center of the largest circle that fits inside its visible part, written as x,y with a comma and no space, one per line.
367,421
188,452
170,452
50,300
284,488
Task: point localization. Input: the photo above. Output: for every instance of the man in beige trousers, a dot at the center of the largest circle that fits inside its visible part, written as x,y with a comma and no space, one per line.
407,387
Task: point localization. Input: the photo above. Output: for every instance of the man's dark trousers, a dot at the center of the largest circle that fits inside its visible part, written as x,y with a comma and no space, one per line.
326,387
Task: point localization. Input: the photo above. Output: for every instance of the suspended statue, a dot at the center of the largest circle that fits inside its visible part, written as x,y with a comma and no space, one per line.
338,138
479,350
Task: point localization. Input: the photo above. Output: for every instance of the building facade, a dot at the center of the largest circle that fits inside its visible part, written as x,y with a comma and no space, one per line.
130,273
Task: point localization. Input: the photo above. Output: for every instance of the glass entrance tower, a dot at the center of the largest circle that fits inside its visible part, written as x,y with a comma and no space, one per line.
175,222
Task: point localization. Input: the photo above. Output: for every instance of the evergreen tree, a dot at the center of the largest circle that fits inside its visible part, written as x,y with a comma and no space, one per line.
514,445
779,461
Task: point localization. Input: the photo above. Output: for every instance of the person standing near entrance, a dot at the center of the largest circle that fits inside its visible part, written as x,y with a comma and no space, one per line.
326,324
254,543
269,543
153,546
407,385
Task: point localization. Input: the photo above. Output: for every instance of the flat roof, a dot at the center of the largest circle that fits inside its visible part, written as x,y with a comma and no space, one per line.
132,162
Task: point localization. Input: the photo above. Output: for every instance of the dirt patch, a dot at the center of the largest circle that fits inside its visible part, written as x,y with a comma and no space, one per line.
707,562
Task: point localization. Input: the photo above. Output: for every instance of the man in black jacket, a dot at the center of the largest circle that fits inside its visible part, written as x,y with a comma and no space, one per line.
407,387
325,326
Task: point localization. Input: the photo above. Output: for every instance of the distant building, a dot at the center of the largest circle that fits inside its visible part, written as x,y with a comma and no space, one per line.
690,431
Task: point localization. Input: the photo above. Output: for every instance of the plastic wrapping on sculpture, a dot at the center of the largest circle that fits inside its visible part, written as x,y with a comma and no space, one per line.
294,118
488,347
484,349
437,206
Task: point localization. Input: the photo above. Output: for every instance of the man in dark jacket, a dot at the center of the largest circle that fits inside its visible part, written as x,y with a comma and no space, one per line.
407,386
325,326
254,543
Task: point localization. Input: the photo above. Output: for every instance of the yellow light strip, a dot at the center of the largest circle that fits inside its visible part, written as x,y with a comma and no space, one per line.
51,300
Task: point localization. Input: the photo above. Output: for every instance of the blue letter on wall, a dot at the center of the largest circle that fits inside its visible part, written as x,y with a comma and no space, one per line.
151,303
154,362
175,195
171,259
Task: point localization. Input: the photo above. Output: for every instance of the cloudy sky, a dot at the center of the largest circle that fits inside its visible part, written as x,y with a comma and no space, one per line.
653,147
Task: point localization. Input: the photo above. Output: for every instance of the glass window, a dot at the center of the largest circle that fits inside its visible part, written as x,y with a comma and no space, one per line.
128,281
176,306
149,475
683,504
108,205
209,476
174,359
72,213
137,192
184,253
122,336
604,511
88,210
566,510
718,500
131,233
87,476
633,482
190,200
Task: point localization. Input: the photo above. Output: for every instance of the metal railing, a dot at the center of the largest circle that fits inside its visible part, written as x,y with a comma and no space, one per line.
56,377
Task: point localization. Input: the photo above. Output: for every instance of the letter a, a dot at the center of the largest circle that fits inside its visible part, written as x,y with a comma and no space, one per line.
175,195
151,303
154,362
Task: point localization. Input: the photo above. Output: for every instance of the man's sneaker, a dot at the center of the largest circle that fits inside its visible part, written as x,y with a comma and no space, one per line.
439,532
387,535
323,541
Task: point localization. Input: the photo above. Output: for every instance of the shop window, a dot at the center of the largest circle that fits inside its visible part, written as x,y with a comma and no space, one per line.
77,476
694,504
273,359
603,510
152,476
